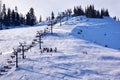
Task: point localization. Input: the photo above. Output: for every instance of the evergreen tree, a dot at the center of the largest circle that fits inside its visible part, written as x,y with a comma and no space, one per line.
52,16
115,18
97,14
106,13
4,10
90,11
8,18
13,18
69,12
22,20
17,17
49,18
40,20
75,11
46,18
3,14
102,12
30,17
80,11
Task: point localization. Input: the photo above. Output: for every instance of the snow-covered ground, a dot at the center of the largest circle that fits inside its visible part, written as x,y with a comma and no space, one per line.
105,32
78,56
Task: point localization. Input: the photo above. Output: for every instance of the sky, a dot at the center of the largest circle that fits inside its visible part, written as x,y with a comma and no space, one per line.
45,7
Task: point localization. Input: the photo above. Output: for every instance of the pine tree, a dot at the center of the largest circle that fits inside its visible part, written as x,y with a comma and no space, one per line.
49,18
80,11
30,17
106,13
75,11
69,12
40,20
52,16
17,17
97,14
90,11
3,14
4,10
22,20
114,18
8,18
13,18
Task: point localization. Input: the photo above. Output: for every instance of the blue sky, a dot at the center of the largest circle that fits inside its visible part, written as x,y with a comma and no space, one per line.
45,7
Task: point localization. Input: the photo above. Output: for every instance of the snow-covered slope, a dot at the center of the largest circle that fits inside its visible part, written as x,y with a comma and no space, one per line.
105,32
76,58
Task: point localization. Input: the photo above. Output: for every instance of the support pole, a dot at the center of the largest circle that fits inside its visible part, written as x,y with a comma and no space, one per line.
16,54
51,27
39,35
60,20
23,49
23,55
39,41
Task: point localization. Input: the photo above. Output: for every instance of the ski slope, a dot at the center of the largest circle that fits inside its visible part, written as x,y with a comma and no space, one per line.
105,32
79,57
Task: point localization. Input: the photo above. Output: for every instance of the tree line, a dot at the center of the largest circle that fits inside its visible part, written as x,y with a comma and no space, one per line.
90,12
9,17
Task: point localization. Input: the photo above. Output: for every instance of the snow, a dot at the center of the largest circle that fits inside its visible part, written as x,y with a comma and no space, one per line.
104,32
77,58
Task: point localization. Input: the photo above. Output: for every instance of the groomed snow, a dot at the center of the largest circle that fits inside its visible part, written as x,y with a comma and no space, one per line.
77,58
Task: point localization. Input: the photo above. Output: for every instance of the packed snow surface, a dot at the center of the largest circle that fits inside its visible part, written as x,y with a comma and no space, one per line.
78,56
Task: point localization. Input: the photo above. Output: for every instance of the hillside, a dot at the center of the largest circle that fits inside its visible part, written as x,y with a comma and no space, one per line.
105,32
78,56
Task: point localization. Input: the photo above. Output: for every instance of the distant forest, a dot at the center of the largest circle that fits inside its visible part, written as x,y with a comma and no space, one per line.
11,17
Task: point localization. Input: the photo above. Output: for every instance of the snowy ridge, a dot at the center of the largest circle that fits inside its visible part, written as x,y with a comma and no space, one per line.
104,32
76,58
